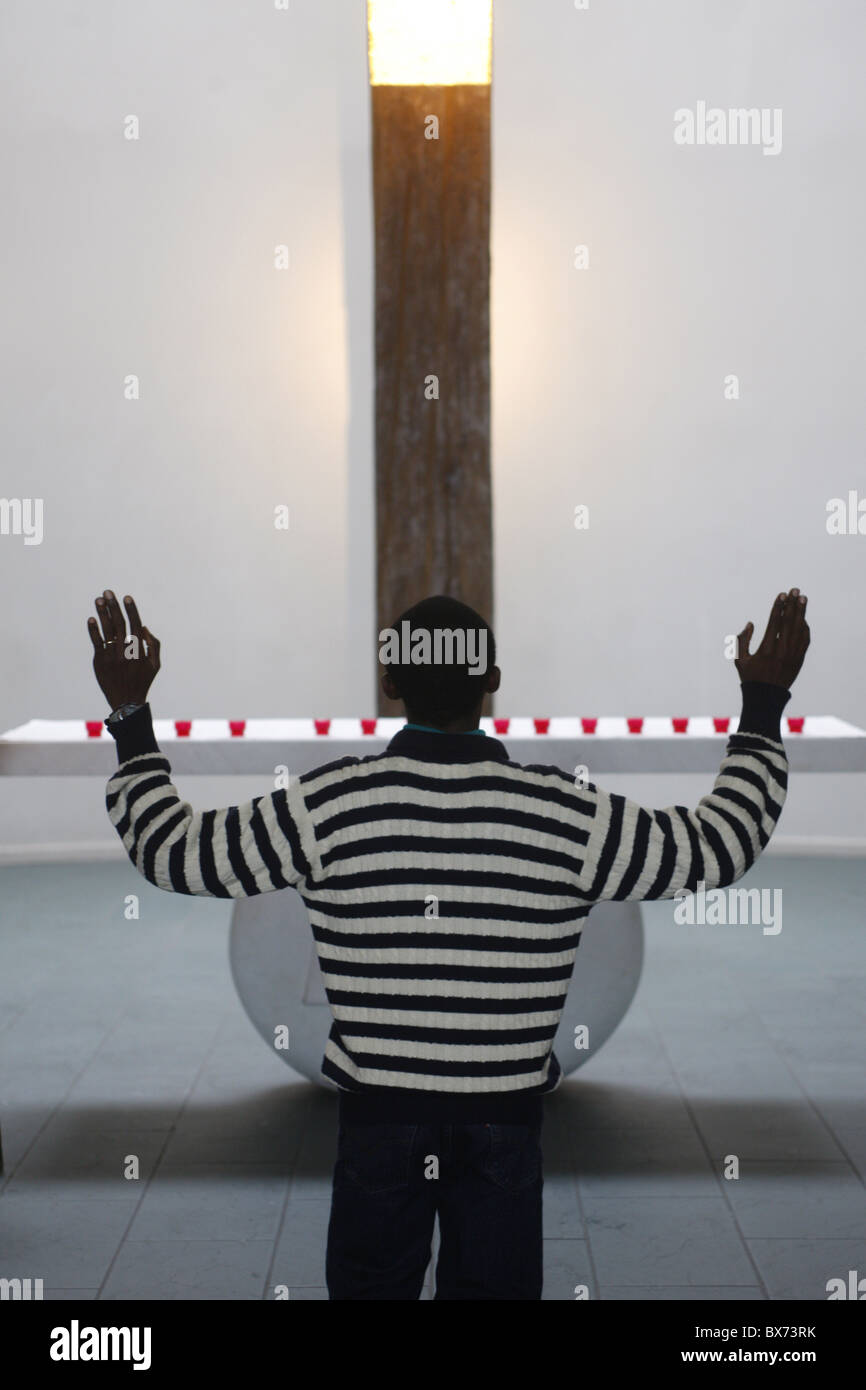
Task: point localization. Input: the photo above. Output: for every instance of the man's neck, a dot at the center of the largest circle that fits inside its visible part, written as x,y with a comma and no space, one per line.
459,726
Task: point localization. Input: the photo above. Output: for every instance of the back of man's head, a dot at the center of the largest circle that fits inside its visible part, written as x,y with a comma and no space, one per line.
436,654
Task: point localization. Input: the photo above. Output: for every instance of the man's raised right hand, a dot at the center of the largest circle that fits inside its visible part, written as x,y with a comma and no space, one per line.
780,655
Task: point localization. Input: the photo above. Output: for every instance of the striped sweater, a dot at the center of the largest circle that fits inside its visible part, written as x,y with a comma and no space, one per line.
447,888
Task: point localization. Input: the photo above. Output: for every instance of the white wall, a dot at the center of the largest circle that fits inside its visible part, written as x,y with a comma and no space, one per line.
155,257
609,382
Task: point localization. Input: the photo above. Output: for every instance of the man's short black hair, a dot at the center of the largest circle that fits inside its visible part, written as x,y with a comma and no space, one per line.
439,692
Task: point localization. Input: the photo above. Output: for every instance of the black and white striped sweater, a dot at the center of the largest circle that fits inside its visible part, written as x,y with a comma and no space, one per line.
451,1014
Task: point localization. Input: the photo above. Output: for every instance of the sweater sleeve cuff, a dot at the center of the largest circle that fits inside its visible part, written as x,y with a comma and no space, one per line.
762,709
134,734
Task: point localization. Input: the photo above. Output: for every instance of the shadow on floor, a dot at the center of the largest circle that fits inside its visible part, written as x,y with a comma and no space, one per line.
589,1128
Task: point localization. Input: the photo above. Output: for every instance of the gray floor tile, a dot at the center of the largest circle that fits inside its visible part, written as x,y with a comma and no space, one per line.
189,1269
313,1173
299,1258
851,1140
665,1240
764,1129
19,1129
65,1242
679,1293
615,1105
567,1268
69,1150
801,1269
117,1085
55,1295
38,1080
561,1211
824,1200
263,1126
646,1161
761,1078
242,1063
839,1082
207,1203
78,1185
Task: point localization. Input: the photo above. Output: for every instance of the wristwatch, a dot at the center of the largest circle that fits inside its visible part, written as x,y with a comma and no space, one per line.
118,715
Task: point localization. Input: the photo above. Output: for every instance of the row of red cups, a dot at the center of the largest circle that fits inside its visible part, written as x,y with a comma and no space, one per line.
182,727
635,725
589,726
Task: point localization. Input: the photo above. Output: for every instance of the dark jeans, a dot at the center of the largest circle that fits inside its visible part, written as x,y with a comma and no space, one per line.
391,1180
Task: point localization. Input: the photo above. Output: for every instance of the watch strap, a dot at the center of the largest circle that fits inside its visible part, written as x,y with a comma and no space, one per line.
122,712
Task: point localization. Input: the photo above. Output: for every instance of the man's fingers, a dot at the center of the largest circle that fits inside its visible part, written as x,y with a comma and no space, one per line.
93,629
116,616
795,621
113,626
135,626
768,641
799,617
104,614
785,641
152,647
784,644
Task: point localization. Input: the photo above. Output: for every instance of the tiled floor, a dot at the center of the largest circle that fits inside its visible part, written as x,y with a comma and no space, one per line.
123,1042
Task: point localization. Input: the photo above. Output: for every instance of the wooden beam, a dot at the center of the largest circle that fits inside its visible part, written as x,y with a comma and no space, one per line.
432,303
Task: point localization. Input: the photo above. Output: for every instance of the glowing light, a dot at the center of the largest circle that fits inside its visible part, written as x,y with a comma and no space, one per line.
429,42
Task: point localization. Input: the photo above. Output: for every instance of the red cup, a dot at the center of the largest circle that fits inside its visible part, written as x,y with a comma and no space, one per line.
720,725
589,725
680,725
501,725
635,725
94,727
368,726
322,725
541,725
795,724
182,727
237,727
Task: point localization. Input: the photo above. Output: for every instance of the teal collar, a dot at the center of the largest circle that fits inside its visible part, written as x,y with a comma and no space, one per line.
431,728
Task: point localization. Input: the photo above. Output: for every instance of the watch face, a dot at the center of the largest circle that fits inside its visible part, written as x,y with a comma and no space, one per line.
121,712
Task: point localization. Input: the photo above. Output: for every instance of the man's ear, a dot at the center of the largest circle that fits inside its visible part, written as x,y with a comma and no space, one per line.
493,679
388,686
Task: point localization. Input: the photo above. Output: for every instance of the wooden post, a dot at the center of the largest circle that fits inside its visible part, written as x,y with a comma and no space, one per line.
432,248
